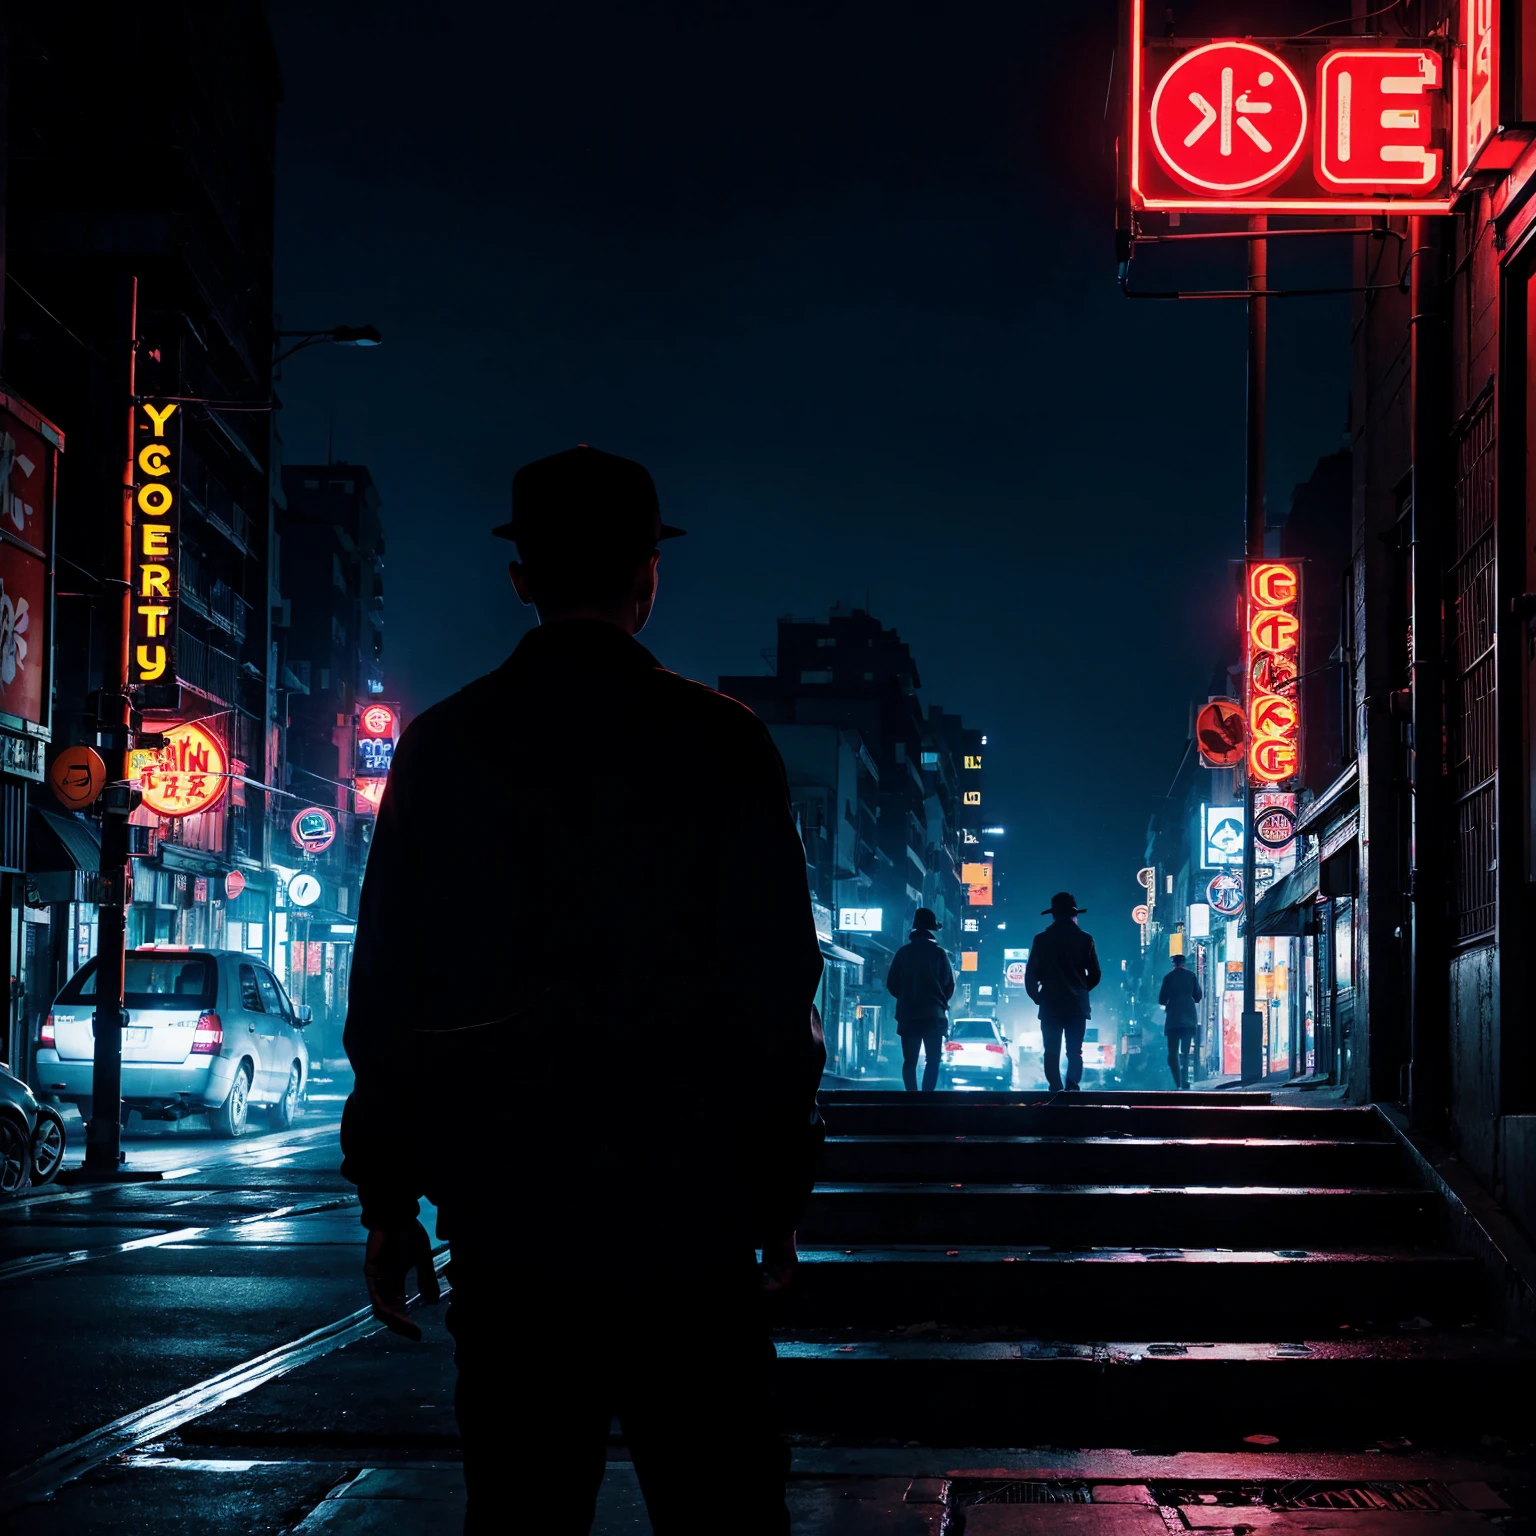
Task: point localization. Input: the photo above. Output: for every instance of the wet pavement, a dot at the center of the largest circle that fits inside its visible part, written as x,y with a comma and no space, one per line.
194,1354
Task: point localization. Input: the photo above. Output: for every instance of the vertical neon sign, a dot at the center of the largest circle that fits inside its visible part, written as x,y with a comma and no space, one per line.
1273,665
156,546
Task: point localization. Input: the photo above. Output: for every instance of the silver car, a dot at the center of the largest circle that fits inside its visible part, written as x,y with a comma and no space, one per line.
208,1032
976,1055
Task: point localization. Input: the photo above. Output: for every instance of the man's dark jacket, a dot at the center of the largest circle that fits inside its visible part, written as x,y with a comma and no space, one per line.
584,884
1063,969
1180,992
922,982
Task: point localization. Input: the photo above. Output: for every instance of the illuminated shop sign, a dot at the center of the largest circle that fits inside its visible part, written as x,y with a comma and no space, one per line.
1225,893
1221,843
972,797
156,545
378,729
973,761
1221,731
1299,126
860,919
977,878
313,829
1477,82
1273,631
188,774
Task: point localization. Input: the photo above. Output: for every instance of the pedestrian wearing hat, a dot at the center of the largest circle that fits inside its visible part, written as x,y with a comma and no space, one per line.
613,1213
922,981
1181,1020
1063,969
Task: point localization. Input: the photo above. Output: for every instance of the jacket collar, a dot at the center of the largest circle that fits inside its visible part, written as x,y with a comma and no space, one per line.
581,643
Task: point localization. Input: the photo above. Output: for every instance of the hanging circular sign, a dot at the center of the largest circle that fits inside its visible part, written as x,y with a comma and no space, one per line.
378,720
313,830
234,883
190,773
1221,732
1225,893
1139,916
1275,827
1146,877
303,890
1015,973
77,777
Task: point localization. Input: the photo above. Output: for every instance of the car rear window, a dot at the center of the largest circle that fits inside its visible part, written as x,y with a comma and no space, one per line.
152,981
972,1029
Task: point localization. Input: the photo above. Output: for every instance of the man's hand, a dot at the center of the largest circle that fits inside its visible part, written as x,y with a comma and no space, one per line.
780,1261
390,1256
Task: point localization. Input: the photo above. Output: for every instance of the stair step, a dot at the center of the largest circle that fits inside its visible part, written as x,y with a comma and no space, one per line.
1086,1096
1121,1216
1110,1160
1080,1294
1036,1391
984,1115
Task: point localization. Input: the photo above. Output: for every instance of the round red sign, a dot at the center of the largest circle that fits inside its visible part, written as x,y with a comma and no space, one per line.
1221,731
378,720
1228,118
234,883
1139,916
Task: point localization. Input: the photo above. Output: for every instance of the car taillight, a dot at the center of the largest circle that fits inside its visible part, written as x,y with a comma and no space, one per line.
209,1037
45,1035
953,1045
999,1049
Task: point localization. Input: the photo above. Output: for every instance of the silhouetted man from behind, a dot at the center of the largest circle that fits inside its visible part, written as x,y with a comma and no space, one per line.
1063,969
922,981
602,1227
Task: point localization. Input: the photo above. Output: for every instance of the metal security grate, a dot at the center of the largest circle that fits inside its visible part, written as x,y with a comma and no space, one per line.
1471,689
964,1492
1310,1495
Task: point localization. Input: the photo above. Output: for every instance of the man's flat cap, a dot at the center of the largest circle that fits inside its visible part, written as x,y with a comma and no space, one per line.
588,497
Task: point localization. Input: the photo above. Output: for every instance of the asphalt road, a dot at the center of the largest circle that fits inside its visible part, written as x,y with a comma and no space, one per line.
117,1296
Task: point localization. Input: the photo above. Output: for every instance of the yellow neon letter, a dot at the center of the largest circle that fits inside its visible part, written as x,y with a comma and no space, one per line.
160,417
155,614
155,499
149,669
155,538
155,459
155,581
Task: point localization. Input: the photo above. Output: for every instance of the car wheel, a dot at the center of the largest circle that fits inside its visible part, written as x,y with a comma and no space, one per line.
47,1145
228,1120
285,1111
15,1158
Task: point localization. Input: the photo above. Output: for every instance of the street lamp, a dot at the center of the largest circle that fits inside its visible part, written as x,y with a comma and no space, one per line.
337,336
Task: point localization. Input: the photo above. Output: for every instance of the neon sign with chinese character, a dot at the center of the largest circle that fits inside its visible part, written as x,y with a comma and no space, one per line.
1296,126
1274,664
1477,82
188,774
156,548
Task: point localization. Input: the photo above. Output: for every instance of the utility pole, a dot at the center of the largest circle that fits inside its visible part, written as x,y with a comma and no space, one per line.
1258,347
1429,1043
103,1135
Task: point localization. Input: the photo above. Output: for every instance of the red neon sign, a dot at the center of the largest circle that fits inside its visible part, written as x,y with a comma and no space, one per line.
1374,129
1303,126
1274,649
1477,85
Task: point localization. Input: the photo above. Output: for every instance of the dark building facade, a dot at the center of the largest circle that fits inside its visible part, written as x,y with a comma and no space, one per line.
151,261
329,634
871,775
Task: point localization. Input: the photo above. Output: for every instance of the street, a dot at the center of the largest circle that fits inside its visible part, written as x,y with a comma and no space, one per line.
196,1356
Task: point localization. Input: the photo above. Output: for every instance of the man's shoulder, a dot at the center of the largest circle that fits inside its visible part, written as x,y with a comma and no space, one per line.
705,704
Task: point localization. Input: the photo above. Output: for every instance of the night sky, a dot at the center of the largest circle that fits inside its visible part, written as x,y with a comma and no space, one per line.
843,277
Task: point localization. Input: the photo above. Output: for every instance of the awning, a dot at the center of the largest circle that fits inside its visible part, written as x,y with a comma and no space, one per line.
58,843
1342,795
1285,910
837,952
63,858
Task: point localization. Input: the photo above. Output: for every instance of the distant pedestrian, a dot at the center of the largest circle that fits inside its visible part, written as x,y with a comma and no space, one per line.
603,1225
922,981
1063,969
1181,1023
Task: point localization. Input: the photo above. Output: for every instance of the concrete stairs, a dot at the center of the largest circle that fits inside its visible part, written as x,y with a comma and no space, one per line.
1103,1269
